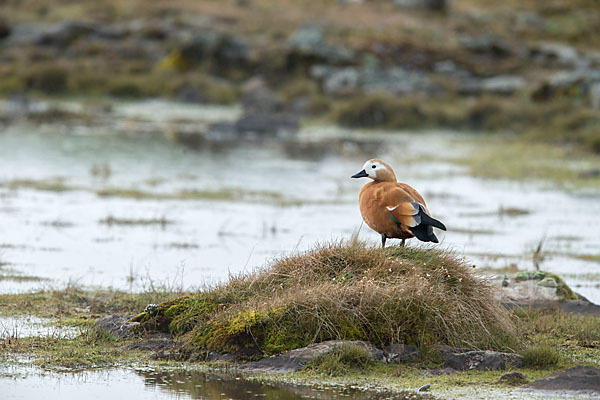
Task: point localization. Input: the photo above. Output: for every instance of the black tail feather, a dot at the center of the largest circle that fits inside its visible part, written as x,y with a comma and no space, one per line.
424,231
427,220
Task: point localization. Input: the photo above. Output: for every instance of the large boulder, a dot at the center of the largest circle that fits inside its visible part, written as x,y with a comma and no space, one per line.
294,360
483,360
580,379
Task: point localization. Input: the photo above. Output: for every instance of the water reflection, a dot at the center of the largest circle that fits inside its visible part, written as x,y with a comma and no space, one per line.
148,383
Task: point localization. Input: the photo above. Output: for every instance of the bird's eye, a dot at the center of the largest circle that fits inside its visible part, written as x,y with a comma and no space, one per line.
374,166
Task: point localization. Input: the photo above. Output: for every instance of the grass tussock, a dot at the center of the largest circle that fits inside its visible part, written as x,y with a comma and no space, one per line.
341,360
343,291
541,357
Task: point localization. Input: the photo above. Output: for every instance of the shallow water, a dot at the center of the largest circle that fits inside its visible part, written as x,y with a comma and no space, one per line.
262,204
147,383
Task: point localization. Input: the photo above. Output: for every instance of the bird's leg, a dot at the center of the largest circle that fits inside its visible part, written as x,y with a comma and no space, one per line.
402,243
383,239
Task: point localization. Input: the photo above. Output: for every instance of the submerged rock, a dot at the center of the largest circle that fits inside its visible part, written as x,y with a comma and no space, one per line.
483,360
118,325
294,360
577,379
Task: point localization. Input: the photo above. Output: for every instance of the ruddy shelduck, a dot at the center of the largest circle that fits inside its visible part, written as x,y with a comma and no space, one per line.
394,210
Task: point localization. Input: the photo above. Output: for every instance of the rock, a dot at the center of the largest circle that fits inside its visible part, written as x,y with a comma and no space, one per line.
281,125
309,44
118,325
559,53
344,80
214,357
189,94
513,378
224,50
483,360
65,33
257,97
489,45
548,282
430,5
294,360
424,388
568,84
595,95
534,289
503,85
400,353
578,379
4,29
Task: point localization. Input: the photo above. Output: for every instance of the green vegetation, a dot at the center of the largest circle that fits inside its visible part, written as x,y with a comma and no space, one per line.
342,291
541,356
342,360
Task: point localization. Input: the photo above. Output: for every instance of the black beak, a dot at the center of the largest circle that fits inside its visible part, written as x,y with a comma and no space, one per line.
360,174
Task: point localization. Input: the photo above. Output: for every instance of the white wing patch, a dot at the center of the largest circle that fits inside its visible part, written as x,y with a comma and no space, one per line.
393,208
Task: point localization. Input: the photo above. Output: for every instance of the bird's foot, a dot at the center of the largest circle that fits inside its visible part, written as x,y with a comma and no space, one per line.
403,243
383,239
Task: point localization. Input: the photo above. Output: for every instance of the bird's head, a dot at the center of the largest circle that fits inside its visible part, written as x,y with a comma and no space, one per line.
377,170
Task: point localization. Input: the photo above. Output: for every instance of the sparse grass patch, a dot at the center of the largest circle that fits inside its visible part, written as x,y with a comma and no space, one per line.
341,360
110,220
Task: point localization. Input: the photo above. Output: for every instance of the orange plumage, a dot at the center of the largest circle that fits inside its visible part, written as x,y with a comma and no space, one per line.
393,209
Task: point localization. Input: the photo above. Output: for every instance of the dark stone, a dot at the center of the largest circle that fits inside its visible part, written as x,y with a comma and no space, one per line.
294,360
224,50
118,325
441,6
400,353
189,94
65,33
483,360
513,378
580,379
4,29
489,45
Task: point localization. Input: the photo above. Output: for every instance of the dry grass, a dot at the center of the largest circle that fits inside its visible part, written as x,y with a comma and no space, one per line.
344,291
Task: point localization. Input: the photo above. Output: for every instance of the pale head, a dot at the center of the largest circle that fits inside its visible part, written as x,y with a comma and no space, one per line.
378,170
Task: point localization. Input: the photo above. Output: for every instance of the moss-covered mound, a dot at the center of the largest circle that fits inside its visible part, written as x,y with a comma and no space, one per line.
341,291
548,279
